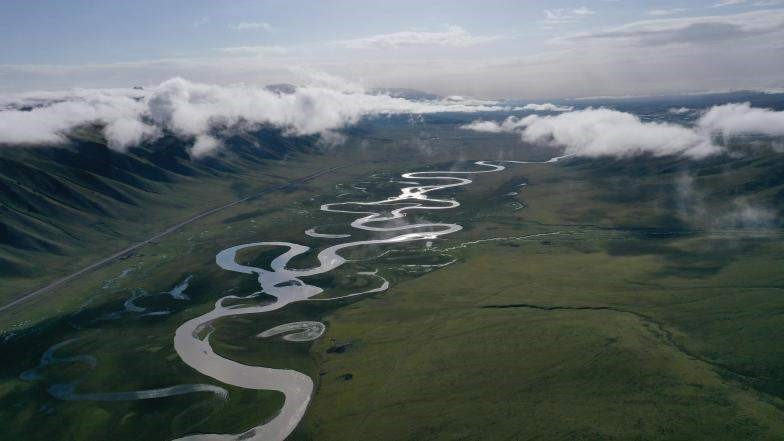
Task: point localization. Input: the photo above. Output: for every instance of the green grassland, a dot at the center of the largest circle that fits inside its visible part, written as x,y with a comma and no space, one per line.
605,310
622,326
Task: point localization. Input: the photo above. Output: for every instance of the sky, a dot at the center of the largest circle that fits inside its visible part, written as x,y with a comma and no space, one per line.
485,49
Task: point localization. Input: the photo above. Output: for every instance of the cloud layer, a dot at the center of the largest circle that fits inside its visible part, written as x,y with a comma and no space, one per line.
601,132
605,132
690,30
196,112
454,36
565,16
547,107
739,212
118,111
200,113
252,25
742,119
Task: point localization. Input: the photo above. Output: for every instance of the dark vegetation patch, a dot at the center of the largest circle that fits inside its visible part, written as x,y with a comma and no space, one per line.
249,215
18,238
338,348
706,258
14,268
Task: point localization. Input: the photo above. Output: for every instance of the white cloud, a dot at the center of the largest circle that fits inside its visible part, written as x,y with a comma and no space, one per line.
694,30
583,11
740,118
46,97
201,22
546,107
48,124
678,110
605,132
127,132
253,25
491,126
458,99
735,213
743,214
663,12
253,50
454,36
564,16
317,78
598,132
197,112
728,3
204,145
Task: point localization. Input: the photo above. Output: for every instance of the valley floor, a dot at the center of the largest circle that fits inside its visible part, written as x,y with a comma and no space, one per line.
557,313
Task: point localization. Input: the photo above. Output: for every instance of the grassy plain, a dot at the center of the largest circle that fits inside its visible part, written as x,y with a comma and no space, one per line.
621,326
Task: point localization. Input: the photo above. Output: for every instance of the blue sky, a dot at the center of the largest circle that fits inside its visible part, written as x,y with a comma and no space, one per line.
489,48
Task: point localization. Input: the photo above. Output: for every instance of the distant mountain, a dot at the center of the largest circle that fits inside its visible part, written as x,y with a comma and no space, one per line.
68,201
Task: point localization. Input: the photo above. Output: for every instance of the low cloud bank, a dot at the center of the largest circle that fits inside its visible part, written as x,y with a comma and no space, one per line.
45,119
742,119
746,215
605,132
547,107
679,110
738,213
602,132
196,111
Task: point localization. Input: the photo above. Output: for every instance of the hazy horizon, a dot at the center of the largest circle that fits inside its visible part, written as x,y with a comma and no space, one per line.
494,50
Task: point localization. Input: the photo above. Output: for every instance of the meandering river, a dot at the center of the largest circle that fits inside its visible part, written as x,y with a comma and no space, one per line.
285,284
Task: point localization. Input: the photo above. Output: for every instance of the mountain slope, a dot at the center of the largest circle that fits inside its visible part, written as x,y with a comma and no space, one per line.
62,205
